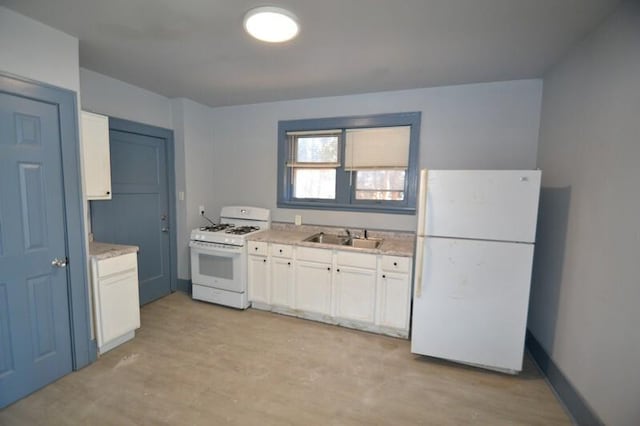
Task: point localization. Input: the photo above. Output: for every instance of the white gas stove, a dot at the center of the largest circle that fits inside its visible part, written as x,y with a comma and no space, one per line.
219,255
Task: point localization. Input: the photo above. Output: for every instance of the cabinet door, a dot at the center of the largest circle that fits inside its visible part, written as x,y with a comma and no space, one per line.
119,310
313,287
95,155
355,293
281,281
395,296
258,276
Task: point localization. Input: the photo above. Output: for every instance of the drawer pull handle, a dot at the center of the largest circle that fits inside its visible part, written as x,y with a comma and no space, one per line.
384,276
280,250
395,263
264,260
328,269
289,263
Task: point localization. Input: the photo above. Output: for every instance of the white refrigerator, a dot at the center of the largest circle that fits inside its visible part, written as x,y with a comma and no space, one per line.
474,253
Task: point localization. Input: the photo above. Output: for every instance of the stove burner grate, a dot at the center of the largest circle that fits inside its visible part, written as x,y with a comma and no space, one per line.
216,228
240,230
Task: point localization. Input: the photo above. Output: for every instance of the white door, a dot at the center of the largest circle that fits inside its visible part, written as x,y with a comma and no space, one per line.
471,305
480,204
355,293
313,287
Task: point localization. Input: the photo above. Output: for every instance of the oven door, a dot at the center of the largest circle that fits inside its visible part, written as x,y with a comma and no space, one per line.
214,266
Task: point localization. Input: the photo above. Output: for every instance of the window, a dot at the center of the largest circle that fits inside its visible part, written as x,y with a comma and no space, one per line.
364,163
313,163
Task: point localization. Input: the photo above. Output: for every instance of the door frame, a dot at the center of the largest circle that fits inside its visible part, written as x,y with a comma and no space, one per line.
122,125
82,347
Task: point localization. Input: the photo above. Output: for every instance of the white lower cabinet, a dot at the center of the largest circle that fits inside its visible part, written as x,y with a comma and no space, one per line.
258,277
394,300
313,287
116,302
355,293
394,292
359,290
282,282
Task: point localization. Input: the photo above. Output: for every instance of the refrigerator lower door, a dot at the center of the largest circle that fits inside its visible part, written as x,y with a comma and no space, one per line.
471,304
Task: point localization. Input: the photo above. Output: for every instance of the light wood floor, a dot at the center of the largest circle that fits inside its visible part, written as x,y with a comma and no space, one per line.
196,363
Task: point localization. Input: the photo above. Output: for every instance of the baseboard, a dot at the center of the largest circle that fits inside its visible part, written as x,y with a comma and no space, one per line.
93,350
574,402
184,286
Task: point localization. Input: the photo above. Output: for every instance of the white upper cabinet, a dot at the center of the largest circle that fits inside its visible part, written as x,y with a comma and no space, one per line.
95,154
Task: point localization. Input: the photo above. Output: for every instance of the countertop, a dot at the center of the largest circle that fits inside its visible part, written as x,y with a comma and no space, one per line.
390,245
100,251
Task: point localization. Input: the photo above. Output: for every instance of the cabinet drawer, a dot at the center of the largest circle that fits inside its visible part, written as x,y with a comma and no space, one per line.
314,255
118,264
396,263
281,250
358,260
258,247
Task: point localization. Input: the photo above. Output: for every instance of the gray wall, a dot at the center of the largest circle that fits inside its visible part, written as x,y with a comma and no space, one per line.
194,151
106,95
34,50
477,126
586,289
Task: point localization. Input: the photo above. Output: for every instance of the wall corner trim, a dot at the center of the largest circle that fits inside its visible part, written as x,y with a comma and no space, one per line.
184,286
576,405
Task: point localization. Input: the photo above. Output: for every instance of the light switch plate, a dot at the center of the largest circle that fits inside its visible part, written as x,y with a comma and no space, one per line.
298,220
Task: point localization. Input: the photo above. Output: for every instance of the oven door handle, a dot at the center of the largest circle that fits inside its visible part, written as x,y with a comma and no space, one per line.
225,252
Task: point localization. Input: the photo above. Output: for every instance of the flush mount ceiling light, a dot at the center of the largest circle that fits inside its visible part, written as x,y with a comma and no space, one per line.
271,24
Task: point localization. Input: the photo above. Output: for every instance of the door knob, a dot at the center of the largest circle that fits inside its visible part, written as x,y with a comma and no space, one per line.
59,263
165,229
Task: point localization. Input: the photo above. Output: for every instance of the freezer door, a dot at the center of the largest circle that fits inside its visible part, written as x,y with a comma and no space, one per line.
497,205
471,305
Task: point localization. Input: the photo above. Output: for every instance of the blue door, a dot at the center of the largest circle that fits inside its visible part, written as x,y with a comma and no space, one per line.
35,335
138,212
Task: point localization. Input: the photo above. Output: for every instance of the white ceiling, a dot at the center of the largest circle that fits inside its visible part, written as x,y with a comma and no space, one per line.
198,49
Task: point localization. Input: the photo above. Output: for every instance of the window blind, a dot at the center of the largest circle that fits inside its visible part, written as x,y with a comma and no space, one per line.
377,148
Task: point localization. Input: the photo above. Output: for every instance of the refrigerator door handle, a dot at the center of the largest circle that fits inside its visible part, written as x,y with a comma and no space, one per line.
419,265
422,202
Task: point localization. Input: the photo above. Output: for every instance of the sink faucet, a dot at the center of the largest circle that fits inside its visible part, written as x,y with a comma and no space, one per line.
348,234
365,234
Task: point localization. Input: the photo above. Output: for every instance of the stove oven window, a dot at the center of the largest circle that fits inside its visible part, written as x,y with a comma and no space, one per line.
215,266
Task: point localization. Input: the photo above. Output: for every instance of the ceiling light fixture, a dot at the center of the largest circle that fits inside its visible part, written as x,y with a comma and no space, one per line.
271,24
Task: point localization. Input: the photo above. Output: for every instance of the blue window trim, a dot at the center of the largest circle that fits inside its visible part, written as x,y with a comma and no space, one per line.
343,197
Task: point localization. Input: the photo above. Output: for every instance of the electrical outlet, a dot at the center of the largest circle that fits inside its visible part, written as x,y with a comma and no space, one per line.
298,220
201,210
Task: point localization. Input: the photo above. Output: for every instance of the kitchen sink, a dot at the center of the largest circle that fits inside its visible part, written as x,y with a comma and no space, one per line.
323,238
344,240
369,243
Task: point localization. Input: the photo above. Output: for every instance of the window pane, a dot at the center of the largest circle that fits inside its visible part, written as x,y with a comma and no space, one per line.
317,149
314,183
380,185
380,195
